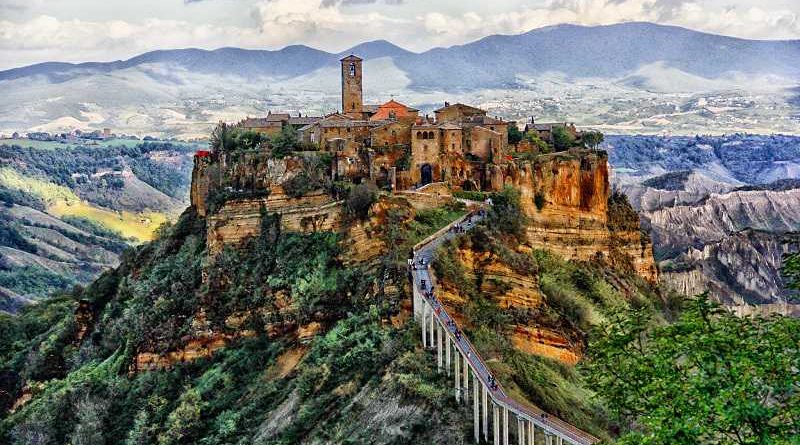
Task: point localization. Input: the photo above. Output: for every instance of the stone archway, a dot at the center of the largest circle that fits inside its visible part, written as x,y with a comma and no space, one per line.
426,174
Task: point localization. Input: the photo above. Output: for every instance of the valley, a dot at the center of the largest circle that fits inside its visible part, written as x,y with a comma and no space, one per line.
70,211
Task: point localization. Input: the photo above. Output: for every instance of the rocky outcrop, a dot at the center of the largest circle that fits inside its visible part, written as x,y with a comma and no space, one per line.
566,197
239,220
679,227
511,290
741,269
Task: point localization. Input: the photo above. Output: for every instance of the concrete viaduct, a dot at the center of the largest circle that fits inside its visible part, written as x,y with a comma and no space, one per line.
473,381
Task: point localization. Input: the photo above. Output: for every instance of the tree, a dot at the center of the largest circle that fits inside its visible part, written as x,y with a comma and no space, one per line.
593,139
711,377
360,199
791,270
514,135
222,137
506,213
284,142
562,139
534,139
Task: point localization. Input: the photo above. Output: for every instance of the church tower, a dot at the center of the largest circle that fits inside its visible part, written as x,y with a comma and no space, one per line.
352,94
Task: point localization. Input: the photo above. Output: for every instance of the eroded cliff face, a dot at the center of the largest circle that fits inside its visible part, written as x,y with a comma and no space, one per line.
512,290
741,269
566,197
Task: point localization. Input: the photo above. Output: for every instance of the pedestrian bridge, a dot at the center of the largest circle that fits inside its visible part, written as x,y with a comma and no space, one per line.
456,356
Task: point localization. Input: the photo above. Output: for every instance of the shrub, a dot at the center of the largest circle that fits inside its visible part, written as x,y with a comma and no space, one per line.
563,140
539,200
360,200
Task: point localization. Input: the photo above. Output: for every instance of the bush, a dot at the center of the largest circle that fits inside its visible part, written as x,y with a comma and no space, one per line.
471,195
360,200
539,200
563,140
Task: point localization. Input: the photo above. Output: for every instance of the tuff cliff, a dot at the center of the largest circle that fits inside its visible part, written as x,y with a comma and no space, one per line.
574,213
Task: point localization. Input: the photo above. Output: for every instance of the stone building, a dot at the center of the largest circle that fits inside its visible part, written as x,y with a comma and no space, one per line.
392,144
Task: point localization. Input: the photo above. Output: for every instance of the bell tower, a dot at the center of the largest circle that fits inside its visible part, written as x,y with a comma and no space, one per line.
352,93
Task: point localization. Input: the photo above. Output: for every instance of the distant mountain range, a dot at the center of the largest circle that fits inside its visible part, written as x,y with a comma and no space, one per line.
492,62
621,73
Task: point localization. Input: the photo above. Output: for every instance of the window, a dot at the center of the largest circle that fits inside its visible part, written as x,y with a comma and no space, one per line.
352,69
419,135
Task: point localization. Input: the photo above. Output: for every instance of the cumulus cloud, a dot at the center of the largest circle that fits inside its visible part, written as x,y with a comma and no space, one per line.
29,36
749,22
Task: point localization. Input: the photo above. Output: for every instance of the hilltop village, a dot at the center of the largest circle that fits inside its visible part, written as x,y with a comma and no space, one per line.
394,146
304,169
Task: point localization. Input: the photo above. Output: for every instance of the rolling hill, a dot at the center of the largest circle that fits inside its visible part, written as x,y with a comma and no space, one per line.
634,77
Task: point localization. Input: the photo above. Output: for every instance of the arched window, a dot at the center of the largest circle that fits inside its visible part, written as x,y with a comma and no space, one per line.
430,135
419,135
424,135
352,69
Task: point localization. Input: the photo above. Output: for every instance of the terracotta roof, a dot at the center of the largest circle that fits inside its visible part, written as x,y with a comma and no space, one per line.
547,126
460,106
277,117
350,124
259,122
483,120
385,110
305,120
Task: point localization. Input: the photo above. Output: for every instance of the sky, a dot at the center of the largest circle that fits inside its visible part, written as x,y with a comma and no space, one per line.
33,31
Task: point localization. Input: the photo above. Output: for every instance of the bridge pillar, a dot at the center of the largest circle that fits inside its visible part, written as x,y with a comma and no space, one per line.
457,375
496,424
466,378
424,324
447,356
520,431
439,346
485,412
432,327
476,408
505,426
531,430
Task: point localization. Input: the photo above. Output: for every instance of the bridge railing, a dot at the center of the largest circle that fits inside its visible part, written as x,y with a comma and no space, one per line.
523,411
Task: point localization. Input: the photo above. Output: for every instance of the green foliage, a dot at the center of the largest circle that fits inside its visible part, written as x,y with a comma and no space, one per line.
10,196
93,227
185,421
791,270
534,139
471,195
314,176
514,135
563,140
592,139
506,215
10,235
710,377
34,281
284,143
621,215
403,163
360,199
539,200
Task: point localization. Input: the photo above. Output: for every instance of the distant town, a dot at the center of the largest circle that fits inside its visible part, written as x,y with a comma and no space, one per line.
83,137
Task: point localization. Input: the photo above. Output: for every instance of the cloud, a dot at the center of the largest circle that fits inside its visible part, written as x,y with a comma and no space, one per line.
334,25
748,22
